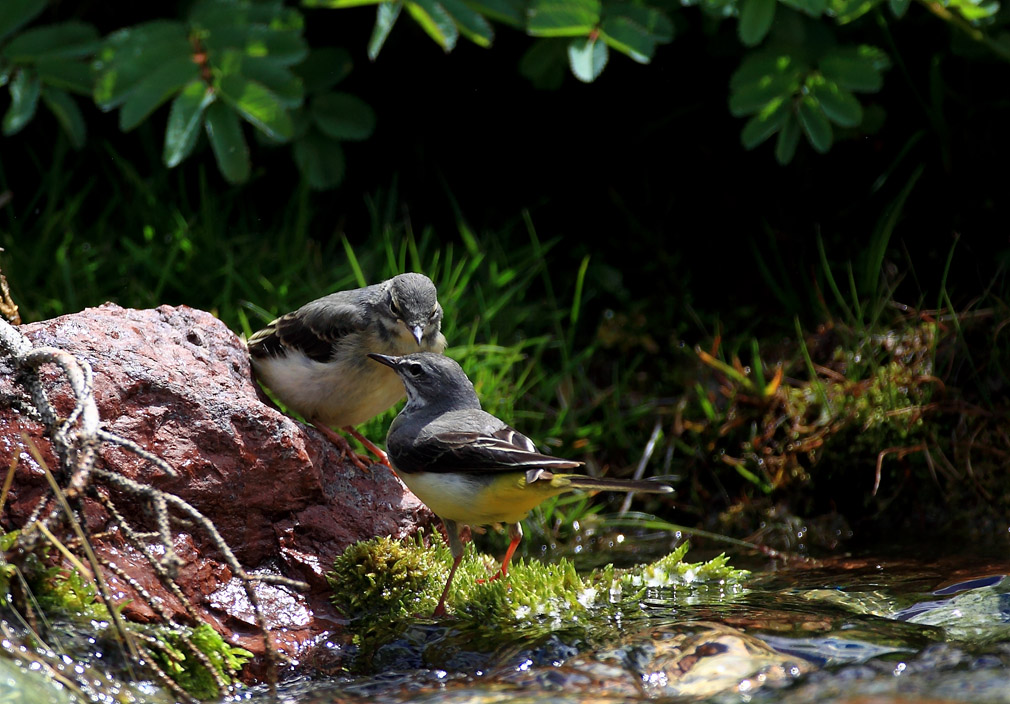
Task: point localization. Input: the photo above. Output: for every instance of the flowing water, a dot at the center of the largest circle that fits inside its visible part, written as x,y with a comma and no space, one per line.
902,627
899,628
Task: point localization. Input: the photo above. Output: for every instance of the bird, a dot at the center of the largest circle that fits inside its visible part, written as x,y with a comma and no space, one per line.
313,359
469,466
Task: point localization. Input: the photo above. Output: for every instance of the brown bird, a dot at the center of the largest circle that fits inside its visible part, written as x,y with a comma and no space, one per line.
315,358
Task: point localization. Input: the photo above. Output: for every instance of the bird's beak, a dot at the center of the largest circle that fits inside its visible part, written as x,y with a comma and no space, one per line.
389,361
418,332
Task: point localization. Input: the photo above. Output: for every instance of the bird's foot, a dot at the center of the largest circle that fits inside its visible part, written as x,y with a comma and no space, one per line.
496,576
369,445
345,448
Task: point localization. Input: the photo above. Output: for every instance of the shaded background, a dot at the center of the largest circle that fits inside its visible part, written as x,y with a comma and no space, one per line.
643,169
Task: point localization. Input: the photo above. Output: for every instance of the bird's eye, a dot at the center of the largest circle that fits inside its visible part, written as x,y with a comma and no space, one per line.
393,309
434,314
414,369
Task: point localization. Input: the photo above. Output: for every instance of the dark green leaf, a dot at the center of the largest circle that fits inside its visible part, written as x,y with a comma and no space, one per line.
716,9
435,21
587,57
343,116
470,23
838,104
24,91
258,106
185,118
512,12
899,7
857,69
385,17
336,4
66,112
271,12
155,89
628,37
230,149
15,14
651,21
65,40
761,79
130,55
755,20
278,79
287,47
562,18
766,123
814,8
874,56
789,138
259,29
301,121
214,15
815,124
847,10
320,160
324,68
544,63
67,74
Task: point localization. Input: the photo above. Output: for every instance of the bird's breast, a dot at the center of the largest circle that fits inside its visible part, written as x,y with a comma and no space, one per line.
478,499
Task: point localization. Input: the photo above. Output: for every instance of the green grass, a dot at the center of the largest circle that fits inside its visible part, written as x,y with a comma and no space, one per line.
520,328
522,313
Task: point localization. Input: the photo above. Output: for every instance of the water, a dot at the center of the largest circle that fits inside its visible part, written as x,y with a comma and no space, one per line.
884,628
870,629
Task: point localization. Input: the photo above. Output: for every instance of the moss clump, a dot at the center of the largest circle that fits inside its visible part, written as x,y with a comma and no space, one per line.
853,403
382,581
68,593
672,571
176,657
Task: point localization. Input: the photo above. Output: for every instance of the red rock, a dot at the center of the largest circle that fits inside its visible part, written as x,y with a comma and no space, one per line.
177,382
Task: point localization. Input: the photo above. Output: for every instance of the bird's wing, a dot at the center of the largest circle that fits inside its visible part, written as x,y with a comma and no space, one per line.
502,450
313,329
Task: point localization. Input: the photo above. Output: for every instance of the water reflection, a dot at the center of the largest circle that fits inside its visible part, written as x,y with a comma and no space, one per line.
853,629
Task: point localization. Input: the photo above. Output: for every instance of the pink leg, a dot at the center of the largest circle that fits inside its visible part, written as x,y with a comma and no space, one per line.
369,445
457,546
341,442
440,609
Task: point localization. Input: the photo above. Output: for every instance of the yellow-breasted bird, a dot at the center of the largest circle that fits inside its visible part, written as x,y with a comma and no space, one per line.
469,466
315,358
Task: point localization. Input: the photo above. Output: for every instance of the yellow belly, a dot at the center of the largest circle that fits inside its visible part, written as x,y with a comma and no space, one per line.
479,499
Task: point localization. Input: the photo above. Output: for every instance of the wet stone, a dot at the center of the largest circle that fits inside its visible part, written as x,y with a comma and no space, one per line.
177,381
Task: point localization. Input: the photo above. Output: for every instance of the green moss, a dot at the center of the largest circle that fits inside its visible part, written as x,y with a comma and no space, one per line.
382,578
7,570
382,581
175,657
672,571
59,591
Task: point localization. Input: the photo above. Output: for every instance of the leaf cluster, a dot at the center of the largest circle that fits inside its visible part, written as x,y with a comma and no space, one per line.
788,94
228,62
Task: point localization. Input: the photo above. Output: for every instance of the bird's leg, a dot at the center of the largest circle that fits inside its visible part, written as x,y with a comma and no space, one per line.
341,442
457,546
369,445
440,609
516,533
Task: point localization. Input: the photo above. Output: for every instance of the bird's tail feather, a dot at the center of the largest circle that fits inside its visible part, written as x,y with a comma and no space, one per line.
580,481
